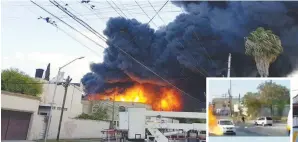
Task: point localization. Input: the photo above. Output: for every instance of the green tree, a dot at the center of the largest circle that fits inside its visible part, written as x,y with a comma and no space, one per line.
252,102
274,95
47,73
264,47
14,80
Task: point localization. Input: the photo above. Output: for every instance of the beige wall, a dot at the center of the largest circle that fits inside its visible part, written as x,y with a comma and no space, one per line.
73,98
70,128
20,102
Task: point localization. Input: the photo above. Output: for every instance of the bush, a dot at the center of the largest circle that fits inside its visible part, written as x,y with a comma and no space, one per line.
100,114
15,81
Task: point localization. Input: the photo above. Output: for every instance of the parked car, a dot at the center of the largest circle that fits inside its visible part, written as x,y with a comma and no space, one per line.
264,121
202,136
227,126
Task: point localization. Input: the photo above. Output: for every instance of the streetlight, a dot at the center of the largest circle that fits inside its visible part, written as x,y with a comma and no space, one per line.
56,84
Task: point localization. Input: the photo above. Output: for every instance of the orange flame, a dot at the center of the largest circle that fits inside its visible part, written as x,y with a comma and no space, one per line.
212,123
160,98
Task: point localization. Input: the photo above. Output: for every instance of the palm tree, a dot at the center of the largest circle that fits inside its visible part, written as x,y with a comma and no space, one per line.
264,46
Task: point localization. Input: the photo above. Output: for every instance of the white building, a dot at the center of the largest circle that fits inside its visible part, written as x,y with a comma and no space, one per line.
23,110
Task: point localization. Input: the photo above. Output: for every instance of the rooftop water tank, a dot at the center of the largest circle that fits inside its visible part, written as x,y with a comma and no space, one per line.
39,73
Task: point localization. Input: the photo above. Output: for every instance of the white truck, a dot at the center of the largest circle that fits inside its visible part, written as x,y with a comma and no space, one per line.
227,126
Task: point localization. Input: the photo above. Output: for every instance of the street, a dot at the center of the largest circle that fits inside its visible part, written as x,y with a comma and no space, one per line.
248,129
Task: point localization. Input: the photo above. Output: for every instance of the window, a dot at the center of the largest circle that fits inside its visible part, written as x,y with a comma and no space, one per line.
42,113
268,118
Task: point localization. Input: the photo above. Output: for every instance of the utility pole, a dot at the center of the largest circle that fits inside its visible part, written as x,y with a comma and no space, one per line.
229,65
230,97
65,85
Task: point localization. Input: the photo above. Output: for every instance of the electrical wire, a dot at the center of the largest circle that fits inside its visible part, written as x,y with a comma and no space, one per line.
114,8
72,37
131,55
156,12
146,14
68,25
81,22
119,9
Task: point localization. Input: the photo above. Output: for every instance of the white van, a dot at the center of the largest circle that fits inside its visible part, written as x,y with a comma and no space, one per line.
264,121
227,126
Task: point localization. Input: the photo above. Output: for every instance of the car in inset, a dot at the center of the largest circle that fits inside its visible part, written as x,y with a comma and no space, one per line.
264,121
202,136
227,126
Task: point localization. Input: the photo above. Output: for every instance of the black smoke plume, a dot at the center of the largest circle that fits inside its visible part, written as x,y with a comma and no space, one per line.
193,46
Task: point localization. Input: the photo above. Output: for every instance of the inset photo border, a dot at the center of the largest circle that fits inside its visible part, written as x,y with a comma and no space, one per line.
249,107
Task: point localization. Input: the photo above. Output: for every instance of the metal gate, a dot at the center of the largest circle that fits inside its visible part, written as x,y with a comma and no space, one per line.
14,125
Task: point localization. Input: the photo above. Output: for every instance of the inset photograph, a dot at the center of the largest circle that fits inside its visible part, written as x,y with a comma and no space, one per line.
248,106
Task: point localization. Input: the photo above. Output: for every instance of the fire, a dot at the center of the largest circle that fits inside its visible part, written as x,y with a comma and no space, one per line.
212,124
160,98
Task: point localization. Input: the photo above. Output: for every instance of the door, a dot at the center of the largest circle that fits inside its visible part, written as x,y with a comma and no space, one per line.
14,125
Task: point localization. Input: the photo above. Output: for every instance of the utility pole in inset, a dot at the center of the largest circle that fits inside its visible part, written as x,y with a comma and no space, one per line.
229,65
65,85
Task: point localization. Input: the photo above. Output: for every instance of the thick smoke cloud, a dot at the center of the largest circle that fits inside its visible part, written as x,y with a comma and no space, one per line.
195,45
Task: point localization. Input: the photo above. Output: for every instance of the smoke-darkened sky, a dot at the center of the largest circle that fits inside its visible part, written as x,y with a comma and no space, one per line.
194,46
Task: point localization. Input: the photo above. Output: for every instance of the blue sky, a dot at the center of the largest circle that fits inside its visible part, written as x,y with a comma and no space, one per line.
29,43
219,87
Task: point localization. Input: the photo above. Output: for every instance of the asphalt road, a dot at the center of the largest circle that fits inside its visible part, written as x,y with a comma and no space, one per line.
277,129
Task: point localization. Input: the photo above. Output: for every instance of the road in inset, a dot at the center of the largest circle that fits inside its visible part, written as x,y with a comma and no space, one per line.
278,129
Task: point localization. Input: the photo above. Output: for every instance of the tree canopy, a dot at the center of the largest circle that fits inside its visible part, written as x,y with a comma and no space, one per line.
16,81
273,94
265,47
269,95
252,102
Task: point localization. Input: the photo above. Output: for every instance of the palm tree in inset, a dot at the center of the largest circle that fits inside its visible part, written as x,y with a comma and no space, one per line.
264,46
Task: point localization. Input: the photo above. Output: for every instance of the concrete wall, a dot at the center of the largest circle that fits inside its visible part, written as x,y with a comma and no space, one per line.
71,128
73,98
37,128
19,102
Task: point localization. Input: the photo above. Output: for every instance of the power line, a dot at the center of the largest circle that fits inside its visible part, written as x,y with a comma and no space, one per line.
156,12
93,51
68,25
125,8
119,9
93,13
125,51
146,14
114,8
148,67
81,22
